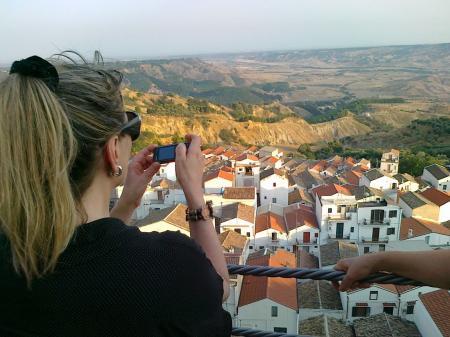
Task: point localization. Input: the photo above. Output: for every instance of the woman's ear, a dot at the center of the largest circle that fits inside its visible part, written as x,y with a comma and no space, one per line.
111,154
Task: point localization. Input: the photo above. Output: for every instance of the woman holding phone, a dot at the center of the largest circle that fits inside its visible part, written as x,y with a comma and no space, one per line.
69,266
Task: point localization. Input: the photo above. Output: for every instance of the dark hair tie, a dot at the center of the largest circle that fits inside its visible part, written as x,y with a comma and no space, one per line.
36,66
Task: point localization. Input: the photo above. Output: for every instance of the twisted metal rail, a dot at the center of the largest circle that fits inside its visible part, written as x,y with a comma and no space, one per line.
317,274
260,333
303,273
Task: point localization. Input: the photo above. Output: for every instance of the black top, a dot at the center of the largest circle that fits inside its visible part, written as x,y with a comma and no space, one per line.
113,280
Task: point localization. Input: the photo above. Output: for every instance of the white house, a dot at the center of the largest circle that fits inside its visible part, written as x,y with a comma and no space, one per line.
415,205
390,161
269,303
216,181
433,233
166,171
302,228
406,182
378,223
269,151
438,176
335,211
167,219
376,179
246,168
270,231
441,200
274,187
239,218
432,312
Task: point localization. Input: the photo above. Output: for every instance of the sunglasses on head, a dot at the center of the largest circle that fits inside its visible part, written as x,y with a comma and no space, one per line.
133,126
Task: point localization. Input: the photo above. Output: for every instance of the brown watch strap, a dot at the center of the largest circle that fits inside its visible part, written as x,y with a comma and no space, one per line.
197,214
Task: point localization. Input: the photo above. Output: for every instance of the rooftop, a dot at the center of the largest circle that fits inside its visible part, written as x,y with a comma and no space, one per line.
435,196
413,200
335,250
238,210
175,215
373,174
315,326
437,171
437,304
318,295
278,289
267,173
302,216
413,227
231,239
383,325
270,220
330,189
239,193
299,195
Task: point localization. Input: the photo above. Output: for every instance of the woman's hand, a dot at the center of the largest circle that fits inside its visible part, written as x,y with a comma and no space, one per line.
189,165
141,170
356,269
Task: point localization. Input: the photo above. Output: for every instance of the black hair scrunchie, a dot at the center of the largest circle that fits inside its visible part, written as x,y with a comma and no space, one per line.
36,66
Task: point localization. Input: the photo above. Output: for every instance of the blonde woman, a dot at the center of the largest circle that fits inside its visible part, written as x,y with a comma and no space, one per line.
69,267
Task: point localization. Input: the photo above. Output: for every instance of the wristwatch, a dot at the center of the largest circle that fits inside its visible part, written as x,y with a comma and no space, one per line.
204,213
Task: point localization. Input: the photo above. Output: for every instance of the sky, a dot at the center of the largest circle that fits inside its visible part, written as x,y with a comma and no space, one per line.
133,29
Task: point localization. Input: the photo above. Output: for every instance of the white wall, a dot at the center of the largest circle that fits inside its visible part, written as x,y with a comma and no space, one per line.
383,183
264,238
444,212
434,239
257,315
410,296
162,226
268,191
424,322
217,184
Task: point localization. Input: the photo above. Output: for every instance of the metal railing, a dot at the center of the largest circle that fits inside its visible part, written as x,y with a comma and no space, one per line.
305,273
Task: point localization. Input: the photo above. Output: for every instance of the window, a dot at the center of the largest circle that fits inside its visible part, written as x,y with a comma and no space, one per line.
274,200
427,239
376,215
330,210
388,310
248,234
316,235
261,247
391,231
274,184
237,230
250,247
366,250
393,214
265,197
444,187
274,236
274,311
382,248
277,329
373,295
352,229
410,309
360,311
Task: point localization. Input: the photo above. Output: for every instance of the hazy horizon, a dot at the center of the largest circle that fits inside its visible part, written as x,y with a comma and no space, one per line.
176,28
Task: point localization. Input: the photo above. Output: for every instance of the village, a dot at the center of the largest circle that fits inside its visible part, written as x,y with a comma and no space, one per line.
274,210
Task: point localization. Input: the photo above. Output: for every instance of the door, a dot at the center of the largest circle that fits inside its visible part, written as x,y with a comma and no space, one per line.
339,230
306,237
375,234
295,249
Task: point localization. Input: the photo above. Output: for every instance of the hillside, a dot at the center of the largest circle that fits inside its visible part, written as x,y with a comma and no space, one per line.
172,116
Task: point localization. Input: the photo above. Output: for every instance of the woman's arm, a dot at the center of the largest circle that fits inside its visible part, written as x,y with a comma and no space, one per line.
189,169
429,267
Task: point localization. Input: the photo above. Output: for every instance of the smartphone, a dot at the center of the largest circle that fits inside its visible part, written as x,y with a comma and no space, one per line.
166,153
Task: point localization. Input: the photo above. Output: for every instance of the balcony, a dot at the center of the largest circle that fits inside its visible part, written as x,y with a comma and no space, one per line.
338,216
374,222
369,239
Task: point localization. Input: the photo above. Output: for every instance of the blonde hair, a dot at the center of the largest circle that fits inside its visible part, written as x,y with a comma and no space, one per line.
50,150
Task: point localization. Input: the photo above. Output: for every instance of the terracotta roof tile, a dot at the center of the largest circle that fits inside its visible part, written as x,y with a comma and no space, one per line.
303,216
231,239
238,210
268,220
239,193
299,195
219,150
245,156
278,289
218,174
420,227
330,189
435,196
437,304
